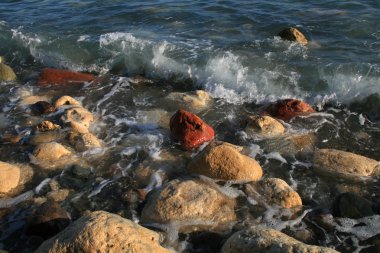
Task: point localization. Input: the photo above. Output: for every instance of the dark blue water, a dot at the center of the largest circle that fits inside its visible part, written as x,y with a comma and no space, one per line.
228,47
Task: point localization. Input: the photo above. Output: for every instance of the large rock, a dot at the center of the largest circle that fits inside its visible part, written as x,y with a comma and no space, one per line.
344,163
264,125
59,77
190,130
293,34
193,205
9,177
194,100
80,119
51,155
225,162
350,205
103,232
288,108
277,191
267,240
6,72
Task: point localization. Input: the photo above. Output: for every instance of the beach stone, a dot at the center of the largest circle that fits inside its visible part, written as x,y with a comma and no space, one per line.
10,176
48,220
59,77
42,107
288,108
10,137
260,239
351,205
101,231
191,204
195,100
46,126
66,100
277,191
6,72
293,34
190,130
45,137
58,195
83,142
264,125
29,100
290,145
80,119
343,163
225,162
50,152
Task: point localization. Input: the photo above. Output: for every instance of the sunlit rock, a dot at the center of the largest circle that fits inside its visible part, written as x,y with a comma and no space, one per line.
46,126
83,142
194,100
6,72
225,162
79,119
51,155
10,176
264,125
293,34
288,108
66,100
103,232
190,204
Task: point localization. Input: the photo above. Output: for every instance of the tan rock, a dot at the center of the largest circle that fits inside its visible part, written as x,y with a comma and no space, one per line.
46,125
29,100
103,232
6,72
45,137
80,119
66,100
344,163
10,176
264,125
293,34
83,142
195,100
290,145
51,155
277,191
225,162
58,195
192,204
260,239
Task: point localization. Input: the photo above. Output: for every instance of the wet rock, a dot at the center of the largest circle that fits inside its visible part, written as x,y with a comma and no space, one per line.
59,77
264,125
153,119
277,191
29,100
288,108
48,220
304,235
195,100
343,163
42,107
50,153
191,204
225,162
372,244
66,100
46,126
260,239
10,176
11,137
350,205
83,142
58,195
293,34
6,72
190,130
369,106
45,137
290,145
80,119
103,232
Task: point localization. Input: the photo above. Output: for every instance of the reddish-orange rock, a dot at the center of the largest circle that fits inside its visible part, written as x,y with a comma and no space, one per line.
190,130
288,108
63,77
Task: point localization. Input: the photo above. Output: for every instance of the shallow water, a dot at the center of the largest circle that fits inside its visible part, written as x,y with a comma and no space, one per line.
227,48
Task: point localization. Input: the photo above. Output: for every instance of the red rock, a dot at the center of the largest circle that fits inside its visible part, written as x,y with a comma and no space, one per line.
288,108
63,77
190,130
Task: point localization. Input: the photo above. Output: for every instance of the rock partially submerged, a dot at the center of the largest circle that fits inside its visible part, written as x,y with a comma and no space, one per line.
225,162
351,205
343,163
61,77
194,100
103,232
6,72
52,155
260,239
288,108
264,125
293,34
83,142
79,119
66,100
10,176
190,130
191,204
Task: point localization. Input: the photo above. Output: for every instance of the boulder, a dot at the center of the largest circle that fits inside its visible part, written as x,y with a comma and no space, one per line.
277,191
343,163
191,204
66,100
6,72
190,130
50,153
260,239
288,108
351,205
264,125
42,107
59,77
46,126
80,119
293,34
101,231
194,100
83,142
10,176
225,162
